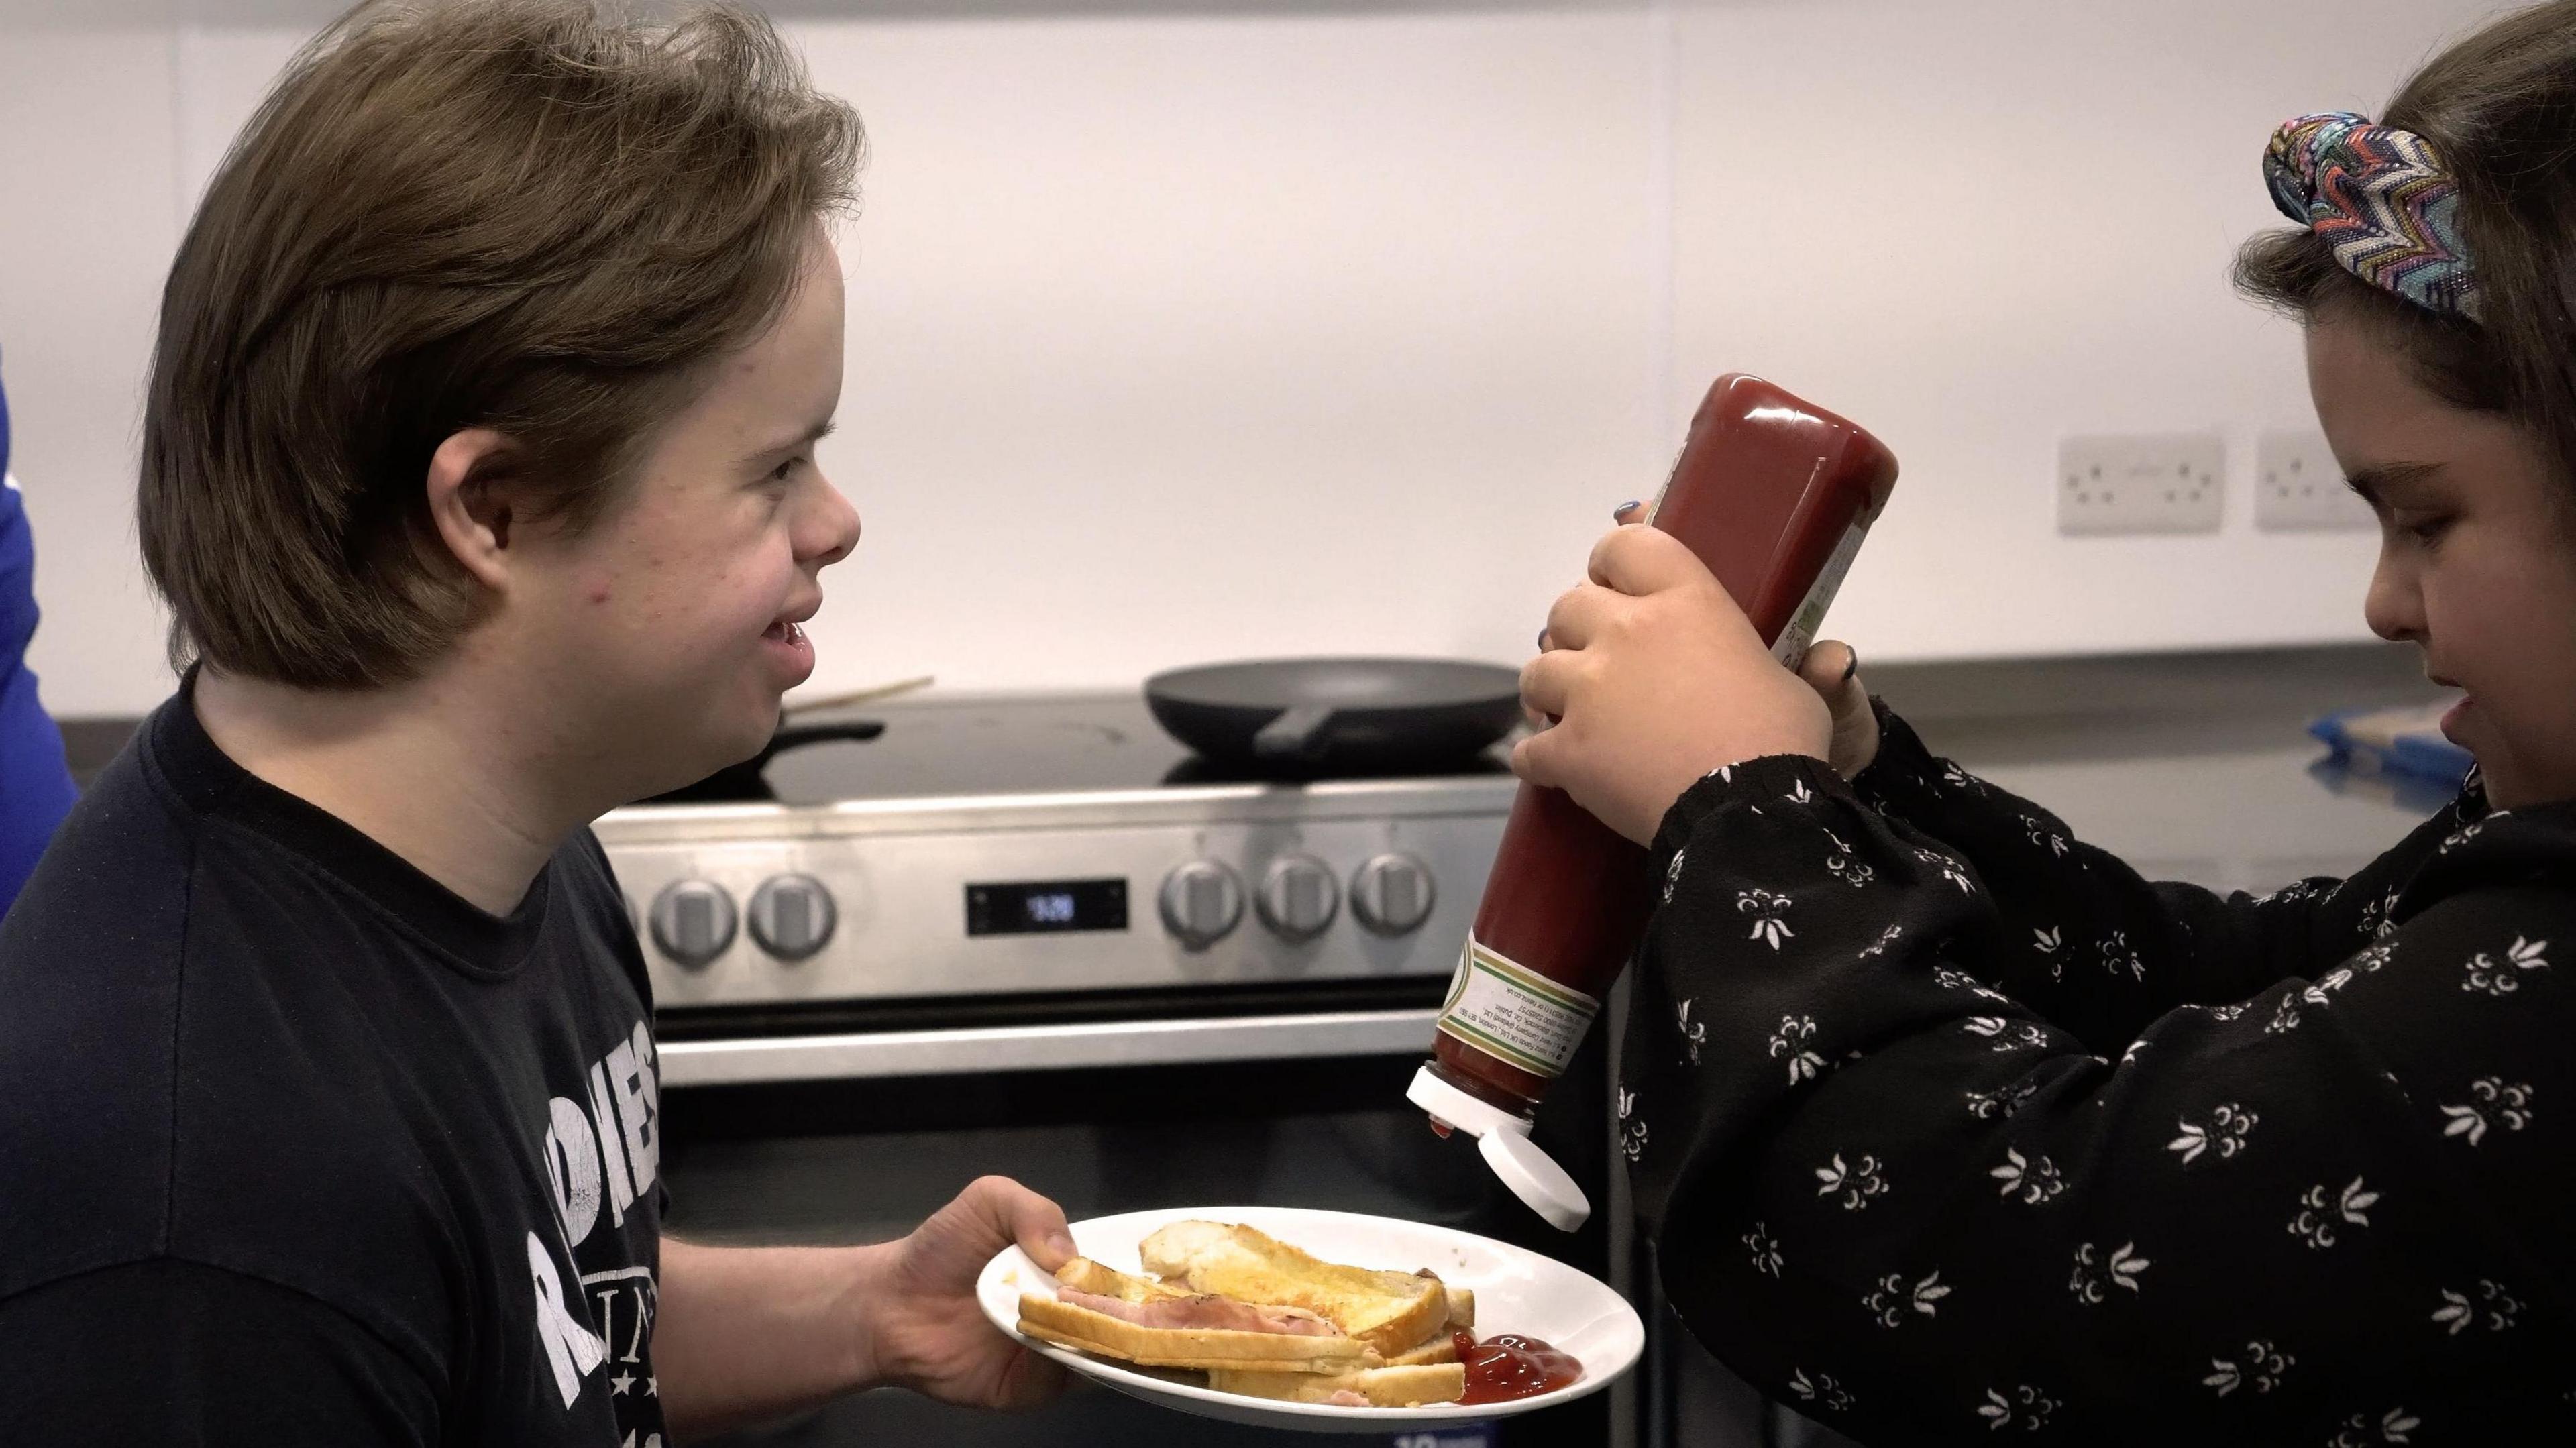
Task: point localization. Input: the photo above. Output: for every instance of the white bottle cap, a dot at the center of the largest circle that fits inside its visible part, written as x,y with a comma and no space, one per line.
1503,1137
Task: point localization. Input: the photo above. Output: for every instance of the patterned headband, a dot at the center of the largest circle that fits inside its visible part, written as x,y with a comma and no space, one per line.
2380,200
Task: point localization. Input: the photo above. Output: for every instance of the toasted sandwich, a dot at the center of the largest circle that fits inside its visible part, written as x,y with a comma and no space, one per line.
1387,1387
1101,1310
1264,1319
1391,1312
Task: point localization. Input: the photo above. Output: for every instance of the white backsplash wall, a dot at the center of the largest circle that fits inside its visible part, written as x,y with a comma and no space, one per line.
1978,226
87,225
1185,336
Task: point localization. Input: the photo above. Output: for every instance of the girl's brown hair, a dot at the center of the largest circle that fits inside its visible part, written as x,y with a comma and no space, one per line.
511,214
2499,108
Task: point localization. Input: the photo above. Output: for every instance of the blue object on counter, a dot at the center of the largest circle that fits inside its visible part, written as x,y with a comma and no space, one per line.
2405,741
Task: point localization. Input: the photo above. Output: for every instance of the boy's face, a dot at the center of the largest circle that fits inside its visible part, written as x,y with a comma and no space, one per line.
666,633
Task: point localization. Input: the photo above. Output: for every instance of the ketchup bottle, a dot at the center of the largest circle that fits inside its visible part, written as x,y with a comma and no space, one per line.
1775,497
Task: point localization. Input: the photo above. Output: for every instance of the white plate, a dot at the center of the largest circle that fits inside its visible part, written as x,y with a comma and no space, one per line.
1516,1291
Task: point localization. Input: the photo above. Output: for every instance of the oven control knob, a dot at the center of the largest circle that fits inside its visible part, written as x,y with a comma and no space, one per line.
1392,894
1202,903
693,922
791,916
1299,898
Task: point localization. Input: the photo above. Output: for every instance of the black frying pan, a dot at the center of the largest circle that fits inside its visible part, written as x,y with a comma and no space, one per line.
736,783
747,781
1307,718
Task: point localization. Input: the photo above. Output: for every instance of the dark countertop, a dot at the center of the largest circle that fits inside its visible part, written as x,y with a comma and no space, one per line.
2192,766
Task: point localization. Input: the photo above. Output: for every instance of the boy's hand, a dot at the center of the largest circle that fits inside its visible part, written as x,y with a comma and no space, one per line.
1832,669
922,1326
1656,678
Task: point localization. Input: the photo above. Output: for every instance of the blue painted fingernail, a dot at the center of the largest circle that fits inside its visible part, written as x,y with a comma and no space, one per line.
1624,509
1542,640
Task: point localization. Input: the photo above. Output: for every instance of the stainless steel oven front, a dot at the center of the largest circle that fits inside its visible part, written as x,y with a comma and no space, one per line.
1127,999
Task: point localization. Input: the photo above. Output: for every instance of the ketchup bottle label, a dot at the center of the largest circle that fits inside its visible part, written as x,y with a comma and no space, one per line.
1791,648
1514,1014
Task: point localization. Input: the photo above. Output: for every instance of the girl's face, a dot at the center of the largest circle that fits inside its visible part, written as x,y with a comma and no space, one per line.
2477,556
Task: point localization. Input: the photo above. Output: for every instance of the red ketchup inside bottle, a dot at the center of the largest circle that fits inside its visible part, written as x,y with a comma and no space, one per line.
1510,1366
1775,496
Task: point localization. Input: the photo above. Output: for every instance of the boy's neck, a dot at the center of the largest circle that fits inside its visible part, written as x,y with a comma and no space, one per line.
428,769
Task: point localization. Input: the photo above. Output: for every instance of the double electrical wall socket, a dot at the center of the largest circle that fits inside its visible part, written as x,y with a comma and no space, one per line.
2172,483
2299,487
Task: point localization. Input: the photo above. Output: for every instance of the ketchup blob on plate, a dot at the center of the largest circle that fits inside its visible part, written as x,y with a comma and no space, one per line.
1510,1366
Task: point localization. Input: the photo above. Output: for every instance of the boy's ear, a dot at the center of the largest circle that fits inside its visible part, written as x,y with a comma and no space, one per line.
470,499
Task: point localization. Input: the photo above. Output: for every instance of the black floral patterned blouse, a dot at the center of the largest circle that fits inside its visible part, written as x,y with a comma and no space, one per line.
1952,1129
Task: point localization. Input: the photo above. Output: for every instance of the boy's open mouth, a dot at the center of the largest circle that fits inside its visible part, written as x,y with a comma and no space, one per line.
783,631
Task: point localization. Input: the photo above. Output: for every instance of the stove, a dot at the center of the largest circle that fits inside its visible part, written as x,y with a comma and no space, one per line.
1037,867
1036,937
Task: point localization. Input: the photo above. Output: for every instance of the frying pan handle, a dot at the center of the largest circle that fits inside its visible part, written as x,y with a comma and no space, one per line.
789,736
1295,734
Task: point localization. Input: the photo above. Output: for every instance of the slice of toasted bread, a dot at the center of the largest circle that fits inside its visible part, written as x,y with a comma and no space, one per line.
1084,1275
1066,1325
1392,1312
1462,1308
1441,1349
1387,1387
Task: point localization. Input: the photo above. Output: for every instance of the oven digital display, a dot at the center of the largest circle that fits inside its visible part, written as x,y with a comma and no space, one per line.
1046,906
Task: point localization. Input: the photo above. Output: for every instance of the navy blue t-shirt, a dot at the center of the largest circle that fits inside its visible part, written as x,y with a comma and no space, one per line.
298,1147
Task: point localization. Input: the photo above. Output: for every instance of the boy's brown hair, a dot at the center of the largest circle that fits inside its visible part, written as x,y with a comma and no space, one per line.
510,214
2499,108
